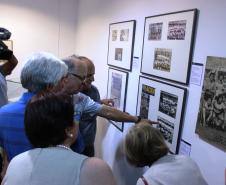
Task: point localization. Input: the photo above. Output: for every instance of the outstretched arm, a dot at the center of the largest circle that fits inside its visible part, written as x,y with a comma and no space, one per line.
117,115
96,171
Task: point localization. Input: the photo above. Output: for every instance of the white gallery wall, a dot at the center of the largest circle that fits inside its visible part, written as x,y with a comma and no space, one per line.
81,27
43,25
92,41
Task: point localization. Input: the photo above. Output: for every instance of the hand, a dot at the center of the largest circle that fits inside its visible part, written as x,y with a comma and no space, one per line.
108,102
148,121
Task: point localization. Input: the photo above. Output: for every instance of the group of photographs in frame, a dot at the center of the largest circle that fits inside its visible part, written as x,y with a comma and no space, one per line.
168,45
120,44
211,122
117,89
165,104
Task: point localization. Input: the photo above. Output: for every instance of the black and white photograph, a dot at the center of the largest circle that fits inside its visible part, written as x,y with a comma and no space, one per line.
124,35
211,122
168,45
118,54
121,44
114,35
162,59
164,103
117,88
176,30
155,31
168,104
166,128
147,91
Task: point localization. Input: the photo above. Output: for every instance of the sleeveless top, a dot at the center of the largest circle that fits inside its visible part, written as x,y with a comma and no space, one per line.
53,165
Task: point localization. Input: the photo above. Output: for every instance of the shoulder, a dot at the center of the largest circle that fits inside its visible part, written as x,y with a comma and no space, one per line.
94,89
96,171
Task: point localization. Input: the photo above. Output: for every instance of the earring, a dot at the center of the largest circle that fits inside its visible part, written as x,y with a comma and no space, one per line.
70,135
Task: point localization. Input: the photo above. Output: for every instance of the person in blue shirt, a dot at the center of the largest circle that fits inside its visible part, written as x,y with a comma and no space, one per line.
41,71
84,105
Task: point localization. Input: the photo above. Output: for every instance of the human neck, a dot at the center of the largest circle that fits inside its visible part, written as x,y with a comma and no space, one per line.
63,146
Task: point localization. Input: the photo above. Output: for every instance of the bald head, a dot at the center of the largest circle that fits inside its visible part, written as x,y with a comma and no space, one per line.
90,72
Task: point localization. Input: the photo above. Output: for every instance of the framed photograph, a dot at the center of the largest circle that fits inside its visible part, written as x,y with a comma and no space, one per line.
117,87
120,44
168,45
162,102
211,122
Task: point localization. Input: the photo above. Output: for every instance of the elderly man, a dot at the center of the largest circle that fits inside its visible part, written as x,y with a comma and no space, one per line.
41,71
84,105
87,124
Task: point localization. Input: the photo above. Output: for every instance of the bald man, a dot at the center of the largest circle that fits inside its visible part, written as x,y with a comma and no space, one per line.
76,82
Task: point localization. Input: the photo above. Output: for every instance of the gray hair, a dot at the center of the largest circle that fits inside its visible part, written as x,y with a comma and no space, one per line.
41,70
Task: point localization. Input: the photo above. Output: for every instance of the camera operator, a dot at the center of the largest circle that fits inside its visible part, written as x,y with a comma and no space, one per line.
8,63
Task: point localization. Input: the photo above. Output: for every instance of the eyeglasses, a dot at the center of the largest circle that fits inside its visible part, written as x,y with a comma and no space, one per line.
82,78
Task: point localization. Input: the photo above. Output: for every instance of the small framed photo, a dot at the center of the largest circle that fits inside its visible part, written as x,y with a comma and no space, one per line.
120,44
164,103
168,45
117,87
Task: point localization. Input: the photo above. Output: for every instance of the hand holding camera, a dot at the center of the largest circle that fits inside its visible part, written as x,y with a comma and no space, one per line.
5,53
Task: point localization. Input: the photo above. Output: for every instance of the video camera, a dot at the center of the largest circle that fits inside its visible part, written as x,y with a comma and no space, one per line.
5,53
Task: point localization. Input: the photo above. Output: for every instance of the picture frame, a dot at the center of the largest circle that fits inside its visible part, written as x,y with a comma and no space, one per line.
117,89
164,103
168,45
120,44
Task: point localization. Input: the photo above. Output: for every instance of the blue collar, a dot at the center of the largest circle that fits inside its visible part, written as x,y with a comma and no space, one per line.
26,96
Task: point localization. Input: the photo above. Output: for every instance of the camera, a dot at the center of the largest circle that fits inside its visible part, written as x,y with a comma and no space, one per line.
5,53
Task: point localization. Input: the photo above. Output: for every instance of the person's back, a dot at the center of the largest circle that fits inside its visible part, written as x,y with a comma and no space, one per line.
12,135
173,170
53,165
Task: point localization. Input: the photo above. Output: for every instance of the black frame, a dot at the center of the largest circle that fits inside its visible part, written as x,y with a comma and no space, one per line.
190,42
129,67
126,74
156,89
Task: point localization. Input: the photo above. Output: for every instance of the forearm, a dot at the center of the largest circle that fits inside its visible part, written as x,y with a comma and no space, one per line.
116,115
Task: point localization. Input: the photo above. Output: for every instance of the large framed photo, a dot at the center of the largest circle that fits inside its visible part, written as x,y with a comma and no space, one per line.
168,45
211,122
162,102
120,44
117,88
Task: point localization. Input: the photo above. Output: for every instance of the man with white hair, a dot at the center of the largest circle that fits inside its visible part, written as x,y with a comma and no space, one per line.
41,71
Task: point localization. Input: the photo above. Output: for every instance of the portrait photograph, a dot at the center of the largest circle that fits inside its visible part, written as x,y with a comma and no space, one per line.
162,59
176,30
124,35
118,54
211,122
114,35
117,89
155,31
168,104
